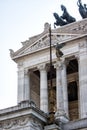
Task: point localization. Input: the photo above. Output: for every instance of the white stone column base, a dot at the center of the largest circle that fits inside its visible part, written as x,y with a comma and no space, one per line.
60,116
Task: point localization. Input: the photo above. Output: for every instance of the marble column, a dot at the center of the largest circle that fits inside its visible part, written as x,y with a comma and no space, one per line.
59,88
60,114
23,84
83,79
26,85
64,85
20,91
43,88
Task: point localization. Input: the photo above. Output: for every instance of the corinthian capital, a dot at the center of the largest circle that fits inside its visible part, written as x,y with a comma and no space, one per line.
58,65
42,66
26,71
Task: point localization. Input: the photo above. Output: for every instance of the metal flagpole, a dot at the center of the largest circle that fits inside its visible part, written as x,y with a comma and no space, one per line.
51,95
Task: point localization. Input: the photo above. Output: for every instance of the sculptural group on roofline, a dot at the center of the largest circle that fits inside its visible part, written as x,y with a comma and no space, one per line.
82,9
66,18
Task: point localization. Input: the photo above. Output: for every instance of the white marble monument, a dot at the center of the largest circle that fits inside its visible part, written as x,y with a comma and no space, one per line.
69,81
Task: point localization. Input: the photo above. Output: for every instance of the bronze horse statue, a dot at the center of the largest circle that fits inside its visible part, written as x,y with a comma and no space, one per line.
66,15
82,9
59,20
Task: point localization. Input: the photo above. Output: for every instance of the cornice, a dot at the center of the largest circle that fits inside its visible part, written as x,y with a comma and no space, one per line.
23,109
39,42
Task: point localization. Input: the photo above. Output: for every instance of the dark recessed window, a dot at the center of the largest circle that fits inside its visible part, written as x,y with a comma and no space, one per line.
72,91
72,66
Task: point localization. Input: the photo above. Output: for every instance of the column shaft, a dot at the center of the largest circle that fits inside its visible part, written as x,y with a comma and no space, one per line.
26,85
23,85
65,91
20,94
43,89
59,89
83,80
60,114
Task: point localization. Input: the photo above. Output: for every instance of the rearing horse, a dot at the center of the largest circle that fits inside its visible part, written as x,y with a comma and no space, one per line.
66,15
59,20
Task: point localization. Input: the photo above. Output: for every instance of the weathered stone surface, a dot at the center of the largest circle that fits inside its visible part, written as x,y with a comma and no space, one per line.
24,116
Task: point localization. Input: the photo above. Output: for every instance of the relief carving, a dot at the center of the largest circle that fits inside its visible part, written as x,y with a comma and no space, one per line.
20,122
7,125
43,43
23,121
10,123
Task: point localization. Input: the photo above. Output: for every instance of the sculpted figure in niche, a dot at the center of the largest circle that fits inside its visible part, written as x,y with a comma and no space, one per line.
82,9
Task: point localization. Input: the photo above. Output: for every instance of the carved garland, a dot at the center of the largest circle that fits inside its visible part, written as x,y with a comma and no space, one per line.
20,122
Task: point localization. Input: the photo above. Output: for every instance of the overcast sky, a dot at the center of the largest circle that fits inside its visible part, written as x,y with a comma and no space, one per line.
19,20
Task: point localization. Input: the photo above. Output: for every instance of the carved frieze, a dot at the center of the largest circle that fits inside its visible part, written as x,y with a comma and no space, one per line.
75,28
19,122
44,42
14,123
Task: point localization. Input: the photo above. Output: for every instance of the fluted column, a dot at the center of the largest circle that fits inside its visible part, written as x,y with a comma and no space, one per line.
65,90
43,88
83,79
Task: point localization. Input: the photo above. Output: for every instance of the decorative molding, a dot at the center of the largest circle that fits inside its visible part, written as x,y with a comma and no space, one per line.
42,66
23,121
42,43
79,27
14,123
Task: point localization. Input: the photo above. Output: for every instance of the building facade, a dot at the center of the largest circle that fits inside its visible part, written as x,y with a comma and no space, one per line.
40,105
